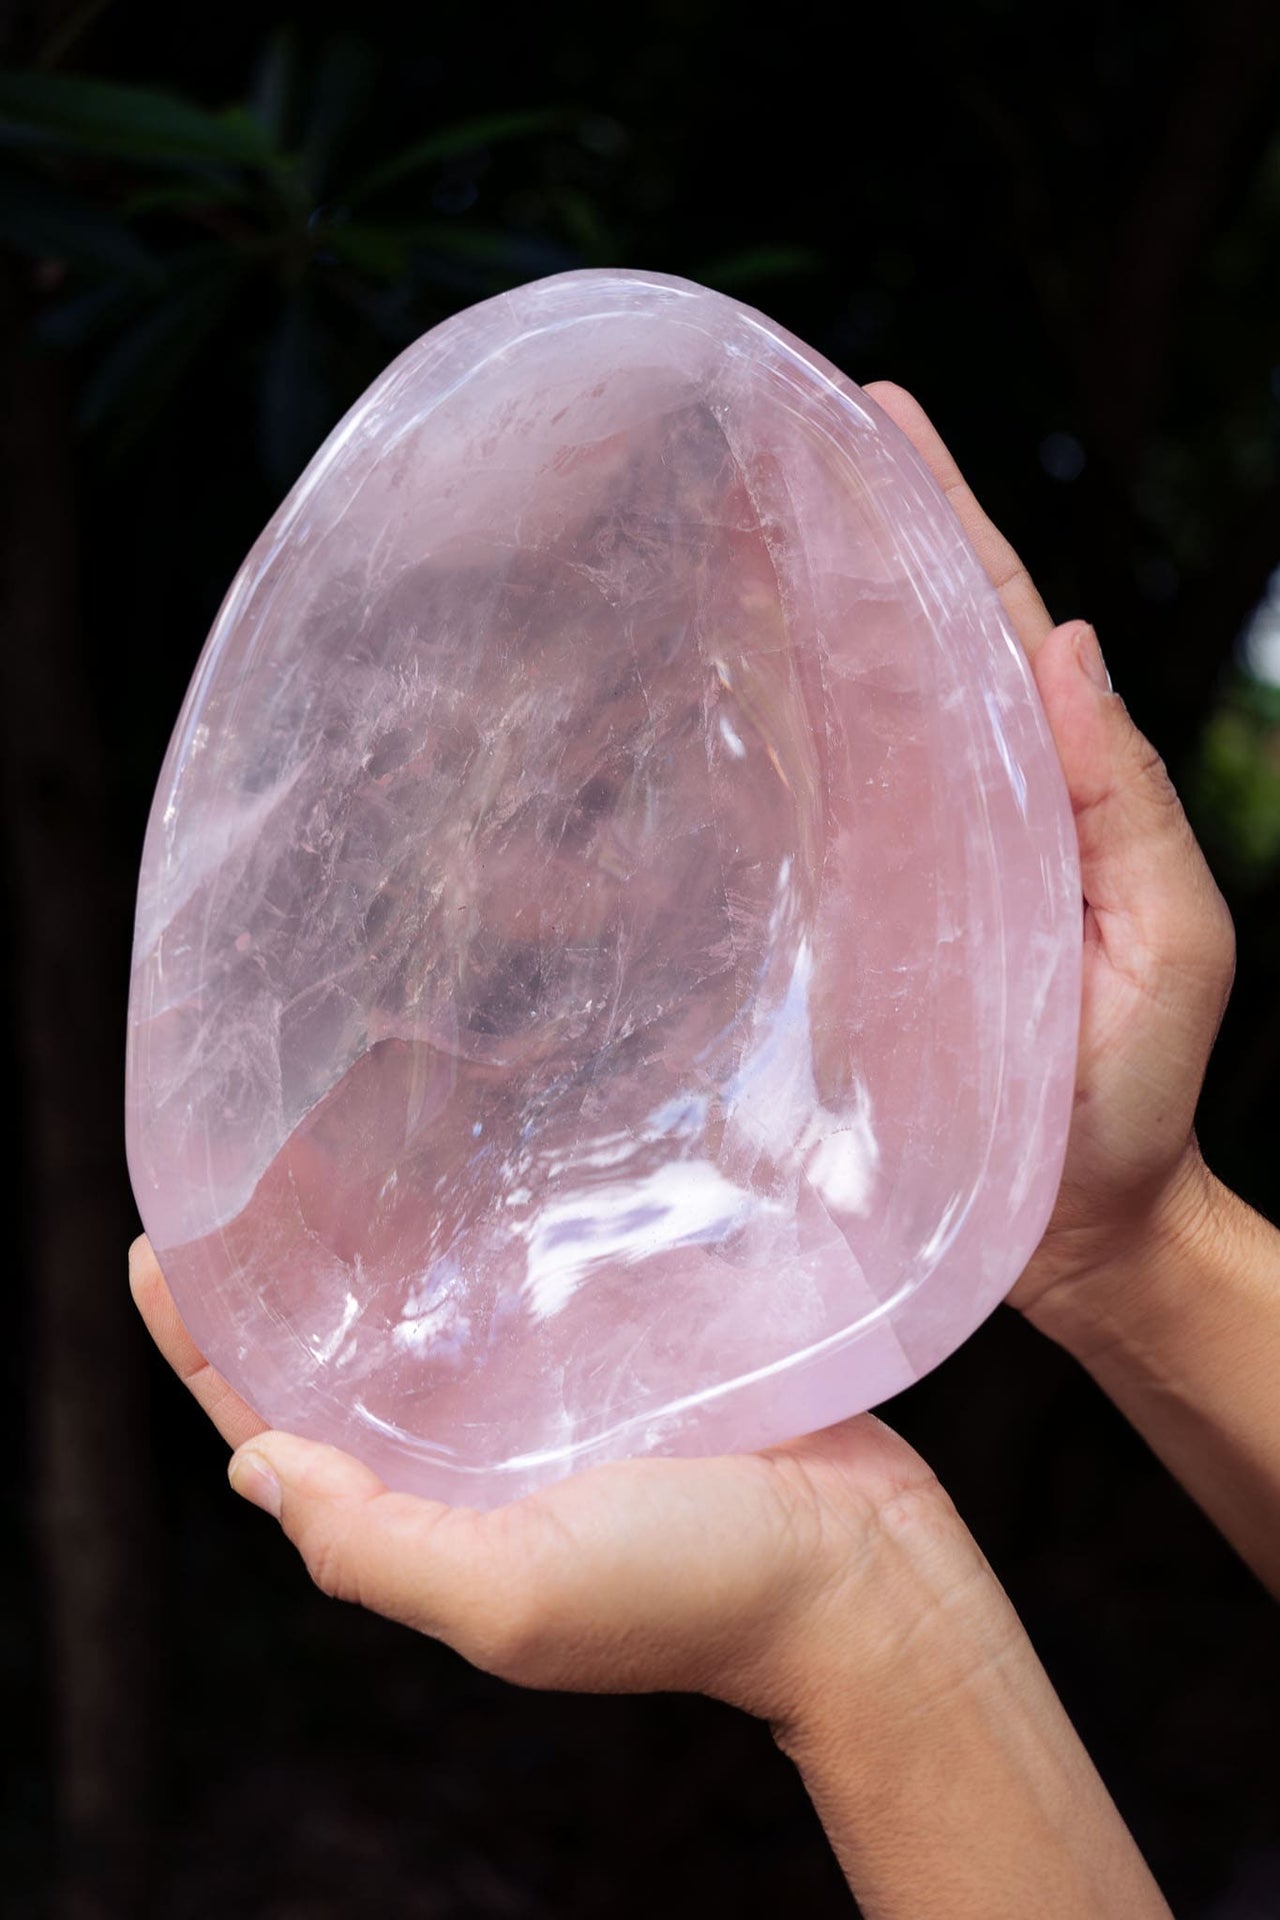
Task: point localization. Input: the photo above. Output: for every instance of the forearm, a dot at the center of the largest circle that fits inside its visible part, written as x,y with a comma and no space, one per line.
1184,1336
946,1774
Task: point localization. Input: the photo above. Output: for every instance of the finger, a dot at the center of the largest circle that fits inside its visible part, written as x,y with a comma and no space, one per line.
1022,603
642,1575
1144,878
234,1420
590,1583
493,1585
431,1567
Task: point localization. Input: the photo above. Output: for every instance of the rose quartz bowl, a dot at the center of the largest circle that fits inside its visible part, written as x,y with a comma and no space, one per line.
608,944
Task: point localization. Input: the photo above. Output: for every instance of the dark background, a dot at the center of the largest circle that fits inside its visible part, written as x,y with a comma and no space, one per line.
1060,226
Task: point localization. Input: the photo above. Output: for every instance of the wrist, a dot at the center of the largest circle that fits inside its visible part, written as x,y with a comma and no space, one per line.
944,1771
1182,1332
1141,1264
911,1623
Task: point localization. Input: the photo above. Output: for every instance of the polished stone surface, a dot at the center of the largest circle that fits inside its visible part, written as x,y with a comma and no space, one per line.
607,957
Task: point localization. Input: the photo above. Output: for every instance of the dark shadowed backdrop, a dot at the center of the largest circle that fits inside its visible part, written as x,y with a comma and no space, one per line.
1061,227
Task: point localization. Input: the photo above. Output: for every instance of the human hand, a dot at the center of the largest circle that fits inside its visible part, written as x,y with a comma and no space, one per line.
1158,948
722,1576
827,1586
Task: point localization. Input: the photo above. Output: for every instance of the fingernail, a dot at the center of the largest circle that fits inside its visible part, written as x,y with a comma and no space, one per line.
253,1480
1090,660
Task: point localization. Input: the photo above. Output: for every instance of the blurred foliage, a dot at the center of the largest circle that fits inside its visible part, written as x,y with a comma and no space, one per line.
1061,227
169,233
1235,795
279,230
239,274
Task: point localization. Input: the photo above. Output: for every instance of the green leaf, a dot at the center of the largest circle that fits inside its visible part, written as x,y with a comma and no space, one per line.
488,131
182,196
756,264
492,246
387,252
64,111
338,98
50,222
133,380
275,85
98,309
380,252
585,225
297,404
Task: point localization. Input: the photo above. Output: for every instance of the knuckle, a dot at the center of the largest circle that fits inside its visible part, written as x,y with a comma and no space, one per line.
1208,959
145,1282
1198,934
920,1511
1149,774
1220,936
323,1552
521,1621
515,1637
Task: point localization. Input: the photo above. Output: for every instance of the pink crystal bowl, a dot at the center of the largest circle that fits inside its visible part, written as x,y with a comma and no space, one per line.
608,942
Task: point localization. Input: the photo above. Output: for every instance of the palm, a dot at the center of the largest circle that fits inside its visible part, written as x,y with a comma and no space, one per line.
1112,1155
640,1575
1157,937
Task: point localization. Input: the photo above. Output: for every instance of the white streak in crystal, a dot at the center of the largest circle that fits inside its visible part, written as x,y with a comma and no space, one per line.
773,1102
842,1163
325,1349
732,740
434,1319
682,1204
612,1150
444,1333
682,1117
949,1223
997,710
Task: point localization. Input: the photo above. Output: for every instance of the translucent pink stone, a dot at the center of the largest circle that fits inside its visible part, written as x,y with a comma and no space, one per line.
607,954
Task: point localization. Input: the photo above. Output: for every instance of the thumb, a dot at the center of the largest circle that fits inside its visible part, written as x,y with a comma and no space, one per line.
410,1559
1151,899
507,1589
